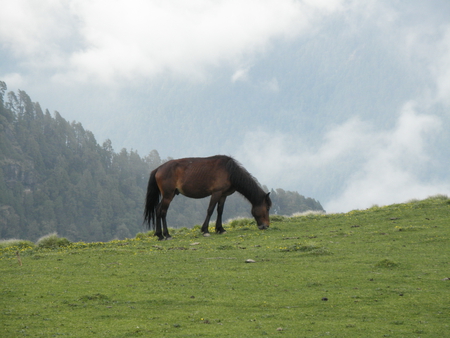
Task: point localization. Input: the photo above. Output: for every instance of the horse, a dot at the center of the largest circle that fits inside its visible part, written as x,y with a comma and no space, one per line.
198,177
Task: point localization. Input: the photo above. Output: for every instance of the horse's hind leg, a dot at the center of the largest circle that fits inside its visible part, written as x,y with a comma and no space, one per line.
220,206
165,202
161,213
165,229
158,231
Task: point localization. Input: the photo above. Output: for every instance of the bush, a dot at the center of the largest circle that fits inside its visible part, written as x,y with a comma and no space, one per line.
142,235
241,222
52,241
308,248
439,197
278,218
180,231
386,263
19,243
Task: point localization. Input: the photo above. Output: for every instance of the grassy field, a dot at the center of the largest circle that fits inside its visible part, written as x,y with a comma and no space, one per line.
381,272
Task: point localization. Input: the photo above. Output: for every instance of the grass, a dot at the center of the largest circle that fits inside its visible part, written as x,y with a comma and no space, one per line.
380,272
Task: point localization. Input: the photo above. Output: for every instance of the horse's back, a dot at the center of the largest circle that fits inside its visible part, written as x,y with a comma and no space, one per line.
195,177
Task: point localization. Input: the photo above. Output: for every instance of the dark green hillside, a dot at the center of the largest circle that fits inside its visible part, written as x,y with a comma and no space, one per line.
55,177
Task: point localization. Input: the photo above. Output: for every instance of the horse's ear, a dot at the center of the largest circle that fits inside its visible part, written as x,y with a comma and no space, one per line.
268,200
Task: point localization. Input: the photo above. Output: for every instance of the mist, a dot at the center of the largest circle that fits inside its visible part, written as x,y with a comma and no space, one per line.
347,102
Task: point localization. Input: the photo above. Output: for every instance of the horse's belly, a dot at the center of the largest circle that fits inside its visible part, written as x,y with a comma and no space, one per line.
194,194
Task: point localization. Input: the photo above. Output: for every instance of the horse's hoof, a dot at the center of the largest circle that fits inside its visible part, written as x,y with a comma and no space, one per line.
222,232
206,234
168,238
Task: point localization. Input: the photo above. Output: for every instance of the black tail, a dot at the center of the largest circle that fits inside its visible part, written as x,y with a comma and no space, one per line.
151,200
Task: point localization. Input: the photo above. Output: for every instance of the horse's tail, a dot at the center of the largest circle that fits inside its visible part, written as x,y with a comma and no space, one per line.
151,200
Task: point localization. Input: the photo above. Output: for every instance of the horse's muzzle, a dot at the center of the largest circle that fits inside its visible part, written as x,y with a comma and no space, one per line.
263,226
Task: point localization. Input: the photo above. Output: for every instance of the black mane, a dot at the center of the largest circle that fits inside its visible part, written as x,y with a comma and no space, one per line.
244,182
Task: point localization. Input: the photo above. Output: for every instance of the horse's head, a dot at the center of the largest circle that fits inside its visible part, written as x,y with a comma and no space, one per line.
261,212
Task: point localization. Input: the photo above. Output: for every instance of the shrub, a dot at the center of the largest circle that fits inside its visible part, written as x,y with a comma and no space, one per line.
142,235
308,248
439,197
19,243
278,218
52,241
386,263
224,247
181,231
309,213
241,222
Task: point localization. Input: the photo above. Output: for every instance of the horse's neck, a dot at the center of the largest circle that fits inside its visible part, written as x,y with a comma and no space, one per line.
244,183
254,195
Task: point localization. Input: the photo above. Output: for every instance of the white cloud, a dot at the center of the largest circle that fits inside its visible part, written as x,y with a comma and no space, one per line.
240,75
441,68
392,172
286,160
271,85
373,167
36,32
150,37
101,42
13,80
104,41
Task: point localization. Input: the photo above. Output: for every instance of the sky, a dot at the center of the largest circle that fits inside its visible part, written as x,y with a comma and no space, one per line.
344,101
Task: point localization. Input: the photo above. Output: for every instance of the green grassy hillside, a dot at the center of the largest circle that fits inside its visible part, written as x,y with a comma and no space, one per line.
381,272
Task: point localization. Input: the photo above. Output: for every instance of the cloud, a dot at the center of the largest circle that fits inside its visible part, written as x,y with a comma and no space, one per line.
36,33
240,75
394,171
441,69
176,37
105,41
355,165
92,45
271,85
13,80
286,160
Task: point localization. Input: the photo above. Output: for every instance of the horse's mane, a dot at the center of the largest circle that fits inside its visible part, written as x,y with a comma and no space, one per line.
244,182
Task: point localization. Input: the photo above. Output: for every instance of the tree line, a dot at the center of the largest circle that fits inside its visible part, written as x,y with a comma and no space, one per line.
55,177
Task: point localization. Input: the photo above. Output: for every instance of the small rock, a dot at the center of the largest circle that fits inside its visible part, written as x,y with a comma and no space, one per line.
195,243
250,261
447,278
280,329
324,299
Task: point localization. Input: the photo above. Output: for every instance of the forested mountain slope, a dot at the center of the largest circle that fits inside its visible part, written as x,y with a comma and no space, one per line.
55,177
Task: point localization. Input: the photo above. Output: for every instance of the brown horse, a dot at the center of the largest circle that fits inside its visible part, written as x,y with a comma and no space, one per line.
217,176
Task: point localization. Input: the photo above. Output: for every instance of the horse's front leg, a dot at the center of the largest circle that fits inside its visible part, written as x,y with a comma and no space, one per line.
212,204
220,206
